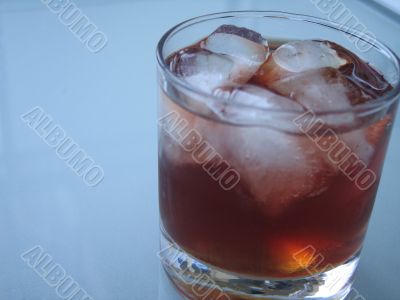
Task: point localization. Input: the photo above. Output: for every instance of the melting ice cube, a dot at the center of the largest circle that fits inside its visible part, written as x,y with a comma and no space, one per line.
247,48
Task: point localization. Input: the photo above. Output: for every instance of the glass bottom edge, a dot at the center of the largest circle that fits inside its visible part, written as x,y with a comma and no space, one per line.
196,280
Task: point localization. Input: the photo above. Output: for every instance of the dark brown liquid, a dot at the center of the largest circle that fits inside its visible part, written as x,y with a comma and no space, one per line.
229,229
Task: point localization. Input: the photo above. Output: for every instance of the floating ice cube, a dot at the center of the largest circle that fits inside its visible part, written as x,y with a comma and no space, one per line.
246,47
178,126
254,96
202,69
327,90
278,169
255,105
302,56
323,90
319,90
296,57
238,42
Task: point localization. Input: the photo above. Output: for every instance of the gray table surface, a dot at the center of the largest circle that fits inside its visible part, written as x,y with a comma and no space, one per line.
106,237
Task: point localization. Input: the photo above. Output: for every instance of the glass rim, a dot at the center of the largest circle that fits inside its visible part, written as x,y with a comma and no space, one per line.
369,107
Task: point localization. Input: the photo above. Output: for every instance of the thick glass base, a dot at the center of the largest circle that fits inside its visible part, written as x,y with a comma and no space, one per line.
197,280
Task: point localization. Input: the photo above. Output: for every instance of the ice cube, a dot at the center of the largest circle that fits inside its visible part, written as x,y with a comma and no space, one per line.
247,48
327,90
323,90
176,122
320,89
170,114
357,141
257,97
277,168
296,57
255,105
300,56
315,76
202,69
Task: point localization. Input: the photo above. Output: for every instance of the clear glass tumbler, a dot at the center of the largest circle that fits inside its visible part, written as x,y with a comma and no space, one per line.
263,205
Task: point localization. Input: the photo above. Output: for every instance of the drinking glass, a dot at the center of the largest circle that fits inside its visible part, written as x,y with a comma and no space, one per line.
249,206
